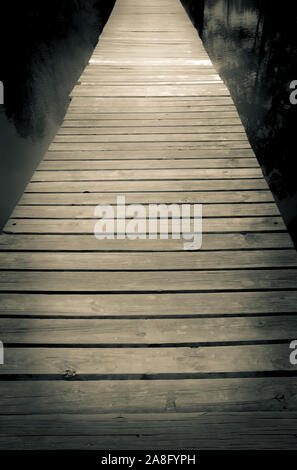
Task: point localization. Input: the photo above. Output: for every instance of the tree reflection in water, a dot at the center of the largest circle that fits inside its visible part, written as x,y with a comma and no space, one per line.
253,44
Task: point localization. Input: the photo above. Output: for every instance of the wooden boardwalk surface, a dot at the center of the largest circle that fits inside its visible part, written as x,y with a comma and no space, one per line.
122,344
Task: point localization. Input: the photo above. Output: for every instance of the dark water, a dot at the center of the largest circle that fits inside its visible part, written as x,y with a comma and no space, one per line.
44,47
253,44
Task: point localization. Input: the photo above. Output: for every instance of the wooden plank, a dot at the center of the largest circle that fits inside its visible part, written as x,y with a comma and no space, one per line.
124,116
171,73
201,107
137,51
85,211
87,226
129,361
90,81
169,64
183,129
152,261
132,76
92,125
153,431
152,69
181,163
133,154
236,136
138,146
149,331
148,305
277,430
249,199
151,66
151,186
148,281
159,90
148,396
146,175
84,243
142,103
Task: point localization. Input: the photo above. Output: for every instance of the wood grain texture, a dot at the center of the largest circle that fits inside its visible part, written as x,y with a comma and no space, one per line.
149,361
87,212
149,396
123,186
148,305
87,226
148,153
147,331
159,174
148,281
86,243
204,430
181,163
155,261
139,344
199,197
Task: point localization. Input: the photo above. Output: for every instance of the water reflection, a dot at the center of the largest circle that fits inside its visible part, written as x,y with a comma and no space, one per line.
253,44
42,55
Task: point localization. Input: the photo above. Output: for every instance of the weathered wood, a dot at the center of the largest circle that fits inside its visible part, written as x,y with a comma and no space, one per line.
82,226
85,211
141,145
200,107
202,333
149,396
146,305
159,90
103,123
147,174
151,186
174,103
261,199
149,153
156,281
73,139
209,430
144,130
125,116
181,163
149,331
166,147
128,361
85,243
155,261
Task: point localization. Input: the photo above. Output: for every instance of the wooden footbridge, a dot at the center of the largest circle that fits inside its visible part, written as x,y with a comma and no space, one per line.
138,344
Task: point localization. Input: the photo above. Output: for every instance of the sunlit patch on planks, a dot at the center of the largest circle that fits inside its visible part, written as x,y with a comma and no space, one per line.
124,344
